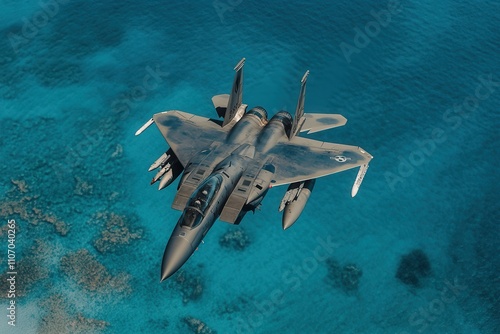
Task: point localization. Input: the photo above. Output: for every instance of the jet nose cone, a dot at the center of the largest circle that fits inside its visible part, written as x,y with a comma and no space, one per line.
177,252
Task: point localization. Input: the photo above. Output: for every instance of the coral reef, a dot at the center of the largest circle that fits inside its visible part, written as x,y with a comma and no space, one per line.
189,284
118,151
82,187
239,304
117,231
413,267
344,277
87,271
21,185
19,201
58,319
197,326
235,238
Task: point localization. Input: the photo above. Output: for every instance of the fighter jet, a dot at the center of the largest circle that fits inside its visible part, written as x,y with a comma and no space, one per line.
227,166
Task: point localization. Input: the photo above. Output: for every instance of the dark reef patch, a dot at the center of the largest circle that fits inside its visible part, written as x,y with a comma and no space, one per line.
74,33
239,304
11,74
235,238
413,267
345,278
189,284
197,326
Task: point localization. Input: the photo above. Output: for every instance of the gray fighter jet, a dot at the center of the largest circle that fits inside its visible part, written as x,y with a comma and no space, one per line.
228,166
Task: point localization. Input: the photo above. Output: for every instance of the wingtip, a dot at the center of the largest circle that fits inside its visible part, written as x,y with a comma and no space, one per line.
304,78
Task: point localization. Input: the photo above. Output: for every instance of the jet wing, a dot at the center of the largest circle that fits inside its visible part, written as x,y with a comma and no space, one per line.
319,122
187,134
303,159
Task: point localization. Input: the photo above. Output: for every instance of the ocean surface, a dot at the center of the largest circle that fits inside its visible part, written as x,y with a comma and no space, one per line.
416,251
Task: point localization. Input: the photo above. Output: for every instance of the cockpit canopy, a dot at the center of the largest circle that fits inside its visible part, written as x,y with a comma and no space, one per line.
200,201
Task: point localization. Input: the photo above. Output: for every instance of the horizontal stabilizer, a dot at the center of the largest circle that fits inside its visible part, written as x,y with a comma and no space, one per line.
220,103
320,122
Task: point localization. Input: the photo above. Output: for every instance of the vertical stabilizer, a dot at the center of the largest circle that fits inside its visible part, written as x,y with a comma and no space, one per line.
299,112
235,99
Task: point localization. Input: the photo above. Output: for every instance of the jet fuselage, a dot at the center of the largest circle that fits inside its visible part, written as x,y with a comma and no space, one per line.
202,209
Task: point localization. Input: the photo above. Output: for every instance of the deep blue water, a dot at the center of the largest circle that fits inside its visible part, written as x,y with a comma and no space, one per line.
420,90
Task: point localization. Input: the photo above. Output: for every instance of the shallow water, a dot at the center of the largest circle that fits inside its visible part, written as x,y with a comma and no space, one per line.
421,94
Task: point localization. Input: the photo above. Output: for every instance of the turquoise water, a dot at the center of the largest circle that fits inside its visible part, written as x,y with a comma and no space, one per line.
420,92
